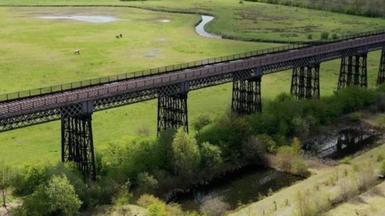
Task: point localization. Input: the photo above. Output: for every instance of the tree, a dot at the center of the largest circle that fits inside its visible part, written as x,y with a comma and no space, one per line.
5,182
211,155
58,197
185,154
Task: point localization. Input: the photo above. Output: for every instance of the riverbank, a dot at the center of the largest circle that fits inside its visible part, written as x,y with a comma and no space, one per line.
331,188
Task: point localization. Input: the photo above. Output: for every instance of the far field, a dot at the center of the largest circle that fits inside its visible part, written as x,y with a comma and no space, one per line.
36,52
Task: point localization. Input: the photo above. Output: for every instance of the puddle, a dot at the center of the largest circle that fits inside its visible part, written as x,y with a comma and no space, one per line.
89,19
200,28
164,20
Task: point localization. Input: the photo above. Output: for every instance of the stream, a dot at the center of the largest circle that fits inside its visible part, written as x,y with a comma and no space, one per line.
200,28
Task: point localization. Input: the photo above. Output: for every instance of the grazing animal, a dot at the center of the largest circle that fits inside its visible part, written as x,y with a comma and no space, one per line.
121,36
117,36
77,52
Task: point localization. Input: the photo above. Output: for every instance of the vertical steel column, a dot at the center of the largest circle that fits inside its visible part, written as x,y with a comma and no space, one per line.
172,112
353,71
381,71
246,96
305,82
77,138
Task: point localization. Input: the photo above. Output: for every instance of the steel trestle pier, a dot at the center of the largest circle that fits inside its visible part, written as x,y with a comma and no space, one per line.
77,138
305,82
246,97
353,71
381,72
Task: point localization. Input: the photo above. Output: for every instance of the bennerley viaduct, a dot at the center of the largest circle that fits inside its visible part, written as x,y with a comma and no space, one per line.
74,103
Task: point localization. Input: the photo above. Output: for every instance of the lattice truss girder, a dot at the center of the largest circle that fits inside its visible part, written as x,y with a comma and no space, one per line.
77,138
172,107
353,71
246,96
381,72
305,82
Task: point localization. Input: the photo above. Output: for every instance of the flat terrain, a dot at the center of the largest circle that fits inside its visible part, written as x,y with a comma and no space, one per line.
36,52
249,20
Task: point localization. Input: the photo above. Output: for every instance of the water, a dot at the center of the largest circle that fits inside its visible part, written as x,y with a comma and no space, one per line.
345,142
89,19
200,28
242,188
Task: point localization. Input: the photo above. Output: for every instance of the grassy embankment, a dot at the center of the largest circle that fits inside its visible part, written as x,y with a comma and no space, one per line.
39,53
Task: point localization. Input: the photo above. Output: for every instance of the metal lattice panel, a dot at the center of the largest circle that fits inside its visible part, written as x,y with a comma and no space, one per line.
381,72
172,109
29,119
353,71
305,82
77,138
247,96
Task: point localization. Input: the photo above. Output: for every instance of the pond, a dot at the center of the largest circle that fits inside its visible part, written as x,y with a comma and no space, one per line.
81,18
343,143
242,187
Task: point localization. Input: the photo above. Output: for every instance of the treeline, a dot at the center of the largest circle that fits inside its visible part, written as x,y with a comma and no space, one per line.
177,160
371,8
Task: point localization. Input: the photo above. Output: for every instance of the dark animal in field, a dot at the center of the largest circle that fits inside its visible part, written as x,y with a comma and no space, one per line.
77,52
119,36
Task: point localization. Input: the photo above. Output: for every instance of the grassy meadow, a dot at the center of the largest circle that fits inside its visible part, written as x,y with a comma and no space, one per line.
36,52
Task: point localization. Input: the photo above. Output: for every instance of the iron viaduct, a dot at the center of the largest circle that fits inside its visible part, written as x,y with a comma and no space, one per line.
74,103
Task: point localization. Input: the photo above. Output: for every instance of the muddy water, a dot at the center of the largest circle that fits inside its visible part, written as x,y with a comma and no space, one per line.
341,144
200,28
244,187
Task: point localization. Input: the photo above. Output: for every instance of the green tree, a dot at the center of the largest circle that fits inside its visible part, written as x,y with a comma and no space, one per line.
58,197
211,155
5,182
185,153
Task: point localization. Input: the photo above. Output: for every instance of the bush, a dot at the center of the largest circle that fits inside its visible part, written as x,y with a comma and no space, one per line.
201,122
185,154
146,183
211,155
58,197
324,35
253,150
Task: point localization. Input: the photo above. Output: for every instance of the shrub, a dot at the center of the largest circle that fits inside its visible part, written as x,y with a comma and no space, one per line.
324,35
58,197
267,142
146,183
211,155
201,122
253,150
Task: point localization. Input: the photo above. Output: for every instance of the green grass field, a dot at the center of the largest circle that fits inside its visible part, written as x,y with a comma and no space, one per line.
36,52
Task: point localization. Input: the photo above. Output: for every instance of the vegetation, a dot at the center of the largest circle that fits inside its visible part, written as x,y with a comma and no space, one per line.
327,188
177,160
372,8
46,58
